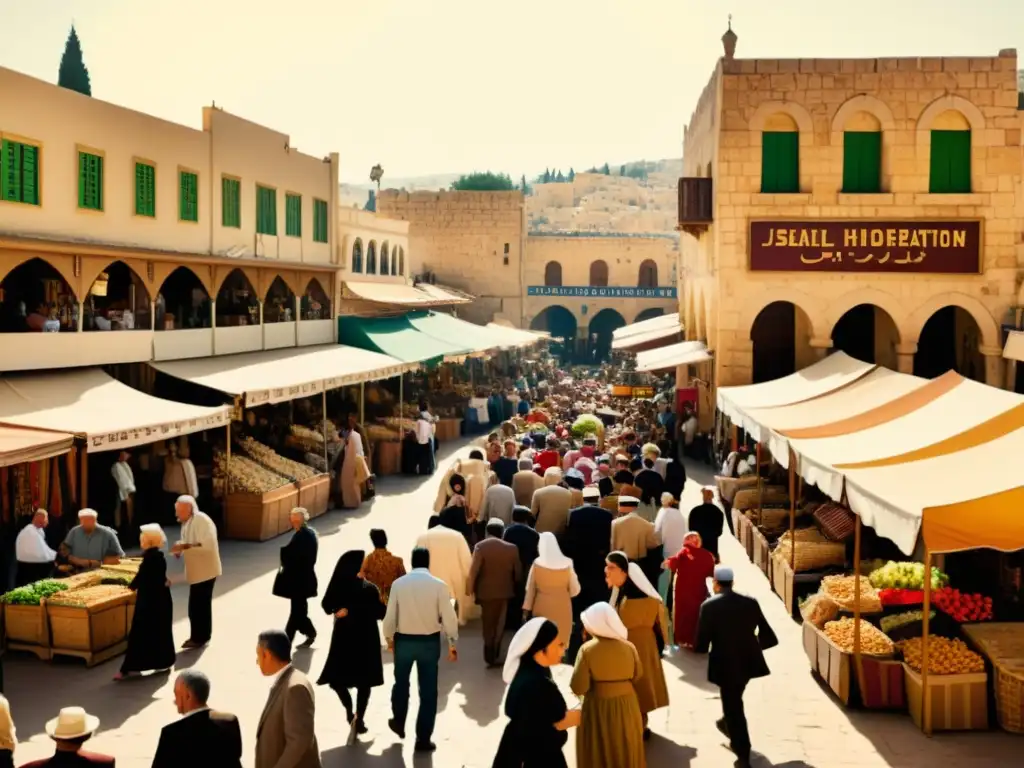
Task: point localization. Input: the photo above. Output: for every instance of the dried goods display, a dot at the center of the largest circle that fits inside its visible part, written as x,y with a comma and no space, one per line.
889,623
872,641
89,597
818,609
32,594
377,433
962,606
906,576
306,436
275,462
842,590
945,656
246,476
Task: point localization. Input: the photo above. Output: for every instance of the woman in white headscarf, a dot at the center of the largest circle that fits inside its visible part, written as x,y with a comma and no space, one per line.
611,731
551,585
641,610
150,639
538,718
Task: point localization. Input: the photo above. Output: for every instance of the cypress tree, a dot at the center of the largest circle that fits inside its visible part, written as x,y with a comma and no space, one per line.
73,74
572,174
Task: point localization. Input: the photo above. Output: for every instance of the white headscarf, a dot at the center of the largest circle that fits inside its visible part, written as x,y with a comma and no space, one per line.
188,500
638,577
601,620
552,476
549,554
520,644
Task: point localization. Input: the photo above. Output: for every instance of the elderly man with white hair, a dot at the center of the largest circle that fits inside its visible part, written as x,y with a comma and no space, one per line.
201,550
34,556
89,544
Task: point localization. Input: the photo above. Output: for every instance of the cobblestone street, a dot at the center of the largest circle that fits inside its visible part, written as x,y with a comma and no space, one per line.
793,720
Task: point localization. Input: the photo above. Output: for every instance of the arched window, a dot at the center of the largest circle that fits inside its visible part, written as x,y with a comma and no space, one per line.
279,305
384,269
401,261
315,305
357,256
862,154
394,260
371,258
780,155
553,274
237,302
648,277
950,168
599,273
36,297
182,302
117,301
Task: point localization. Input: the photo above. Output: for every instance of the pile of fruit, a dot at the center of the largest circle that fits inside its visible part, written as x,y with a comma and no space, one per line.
906,576
963,607
895,596
275,462
32,594
587,424
246,476
945,656
889,623
841,590
90,597
872,641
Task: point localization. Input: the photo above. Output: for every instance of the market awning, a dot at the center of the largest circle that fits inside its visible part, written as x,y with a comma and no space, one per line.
423,295
477,338
18,445
284,374
650,325
662,358
397,338
110,415
770,425
962,500
521,337
640,339
940,416
835,371
1014,347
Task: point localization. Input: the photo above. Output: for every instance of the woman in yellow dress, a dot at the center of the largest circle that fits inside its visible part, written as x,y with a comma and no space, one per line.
610,734
642,612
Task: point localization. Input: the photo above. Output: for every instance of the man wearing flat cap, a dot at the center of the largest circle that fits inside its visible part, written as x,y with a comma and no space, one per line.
630,532
735,630
89,544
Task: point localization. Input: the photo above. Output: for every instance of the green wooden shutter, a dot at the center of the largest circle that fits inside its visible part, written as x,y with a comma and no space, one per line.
230,202
188,196
862,162
29,174
293,215
950,164
90,181
266,211
145,190
780,162
11,178
319,221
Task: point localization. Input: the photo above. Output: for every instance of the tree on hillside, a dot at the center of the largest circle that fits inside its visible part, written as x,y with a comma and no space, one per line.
484,182
622,170
547,175
572,174
560,177
73,74
606,170
371,202
524,187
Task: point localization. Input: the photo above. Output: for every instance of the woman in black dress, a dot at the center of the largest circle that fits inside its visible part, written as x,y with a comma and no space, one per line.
538,719
150,640
354,660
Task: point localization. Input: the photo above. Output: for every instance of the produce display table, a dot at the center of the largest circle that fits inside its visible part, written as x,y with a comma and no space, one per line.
760,553
315,494
1002,643
259,516
388,458
883,676
448,429
93,633
26,629
958,702
792,587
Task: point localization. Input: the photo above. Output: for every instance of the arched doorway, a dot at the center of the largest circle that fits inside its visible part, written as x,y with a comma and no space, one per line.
780,334
649,313
279,306
949,341
648,275
182,302
553,275
357,256
385,267
602,325
36,297
561,324
237,303
371,258
867,332
598,274
316,304
117,301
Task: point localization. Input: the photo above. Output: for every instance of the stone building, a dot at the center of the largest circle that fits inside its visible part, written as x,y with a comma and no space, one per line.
868,205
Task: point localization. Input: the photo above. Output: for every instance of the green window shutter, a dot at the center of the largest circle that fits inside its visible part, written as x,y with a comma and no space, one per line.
780,161
145,189
320,221
950,165
90,181
293,215
231,203
266,211
11,179
188,196
862,162
29,174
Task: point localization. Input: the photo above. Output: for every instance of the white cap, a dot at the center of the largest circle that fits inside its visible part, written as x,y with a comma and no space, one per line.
628,501
87,513
723,573
591,492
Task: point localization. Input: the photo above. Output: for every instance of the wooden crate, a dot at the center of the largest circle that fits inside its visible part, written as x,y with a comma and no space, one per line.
958,702
1002,643
315,494
257,517
736,515
26,625
883,676
760,551
79,630
884,684
782,583
388,458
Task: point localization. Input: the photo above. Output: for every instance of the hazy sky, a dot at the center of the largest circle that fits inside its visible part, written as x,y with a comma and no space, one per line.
432,86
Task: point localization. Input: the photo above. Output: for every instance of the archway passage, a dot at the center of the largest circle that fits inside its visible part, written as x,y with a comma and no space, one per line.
950,341
117,301
780,335
599,274
553,274
316,304
36,297
237,303
279,306
868,333
602,326
649,313
561,324
182,302
647,276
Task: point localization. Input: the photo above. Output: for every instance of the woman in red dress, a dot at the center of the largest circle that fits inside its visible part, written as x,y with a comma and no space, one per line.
692,567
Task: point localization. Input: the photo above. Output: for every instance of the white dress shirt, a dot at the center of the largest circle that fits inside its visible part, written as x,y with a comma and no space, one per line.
424,430
31,546
671,527
420,604
202,562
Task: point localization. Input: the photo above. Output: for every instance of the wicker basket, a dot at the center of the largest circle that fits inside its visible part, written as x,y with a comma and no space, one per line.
835,521
1003,645
813,551
770,494
772,519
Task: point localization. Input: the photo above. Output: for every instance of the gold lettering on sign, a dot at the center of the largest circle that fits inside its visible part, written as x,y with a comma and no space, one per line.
849,238
877,238
959,238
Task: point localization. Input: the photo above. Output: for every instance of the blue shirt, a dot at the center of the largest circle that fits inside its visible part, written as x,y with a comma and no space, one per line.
101,543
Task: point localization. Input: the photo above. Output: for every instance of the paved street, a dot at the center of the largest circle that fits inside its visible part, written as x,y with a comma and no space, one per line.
793,720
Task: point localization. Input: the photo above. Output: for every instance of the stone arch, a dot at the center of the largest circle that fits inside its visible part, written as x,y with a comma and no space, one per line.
371,258
648,314
990,332
223,272
553,274
291,281
89,277
647,274
862,103
846,302
315,303
948,103
797,112
811,307
58,264
598,274
385,263
357,257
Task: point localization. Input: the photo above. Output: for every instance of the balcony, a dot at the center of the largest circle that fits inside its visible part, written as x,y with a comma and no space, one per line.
695,206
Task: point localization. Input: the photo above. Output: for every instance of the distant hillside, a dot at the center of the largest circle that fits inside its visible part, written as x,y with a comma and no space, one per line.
356,194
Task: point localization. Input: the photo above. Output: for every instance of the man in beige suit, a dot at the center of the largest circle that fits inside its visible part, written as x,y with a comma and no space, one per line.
632,534
492,578
550,508
525,482
285,737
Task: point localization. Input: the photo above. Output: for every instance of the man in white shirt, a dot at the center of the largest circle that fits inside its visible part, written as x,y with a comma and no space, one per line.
425,429
202,567
450,561
34,556
125,479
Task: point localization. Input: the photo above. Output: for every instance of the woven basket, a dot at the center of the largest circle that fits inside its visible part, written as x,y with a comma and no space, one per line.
1003,645
813,551
772,519
770,494
836,521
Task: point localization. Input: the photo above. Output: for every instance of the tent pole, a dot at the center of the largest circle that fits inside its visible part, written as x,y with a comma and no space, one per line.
792,496
323,401
760,484
858,666
83,476
227,465
792,517
362,402
926,721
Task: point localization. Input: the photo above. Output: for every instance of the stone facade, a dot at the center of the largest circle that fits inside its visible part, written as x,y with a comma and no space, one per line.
903,98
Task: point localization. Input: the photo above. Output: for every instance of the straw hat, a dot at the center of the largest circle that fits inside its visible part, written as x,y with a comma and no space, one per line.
72,723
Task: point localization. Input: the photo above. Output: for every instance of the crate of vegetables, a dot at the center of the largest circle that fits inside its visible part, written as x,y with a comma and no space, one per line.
89,619
25,620
258,501
314,494
957,685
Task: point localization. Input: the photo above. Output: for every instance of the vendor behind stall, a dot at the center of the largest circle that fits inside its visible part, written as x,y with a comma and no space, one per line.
89,544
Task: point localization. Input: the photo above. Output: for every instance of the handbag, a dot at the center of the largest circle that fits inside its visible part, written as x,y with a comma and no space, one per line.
369,489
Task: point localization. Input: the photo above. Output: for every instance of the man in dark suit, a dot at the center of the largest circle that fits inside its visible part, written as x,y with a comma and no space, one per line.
72,727
493,576
708,520
586,541
296,581
526,539
650,482
201,735
736,631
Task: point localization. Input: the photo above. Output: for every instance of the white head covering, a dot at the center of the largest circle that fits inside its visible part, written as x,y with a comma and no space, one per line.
549,554
638,577
87,513
667,498
552,476
591,492
188,500
520,644
153,529
601,620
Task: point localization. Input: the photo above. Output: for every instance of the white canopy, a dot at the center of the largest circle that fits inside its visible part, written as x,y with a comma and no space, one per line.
835,371
1014,347
109,414
279,375
683,353
19,445
650,325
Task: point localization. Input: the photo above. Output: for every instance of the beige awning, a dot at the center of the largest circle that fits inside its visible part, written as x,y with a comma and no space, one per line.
19,445
419,296
1014,347
637,339
285,374
663,358
651,324
110,415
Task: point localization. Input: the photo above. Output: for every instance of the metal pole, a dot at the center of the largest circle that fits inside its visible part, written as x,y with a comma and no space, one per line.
926,721
792,520
858,666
